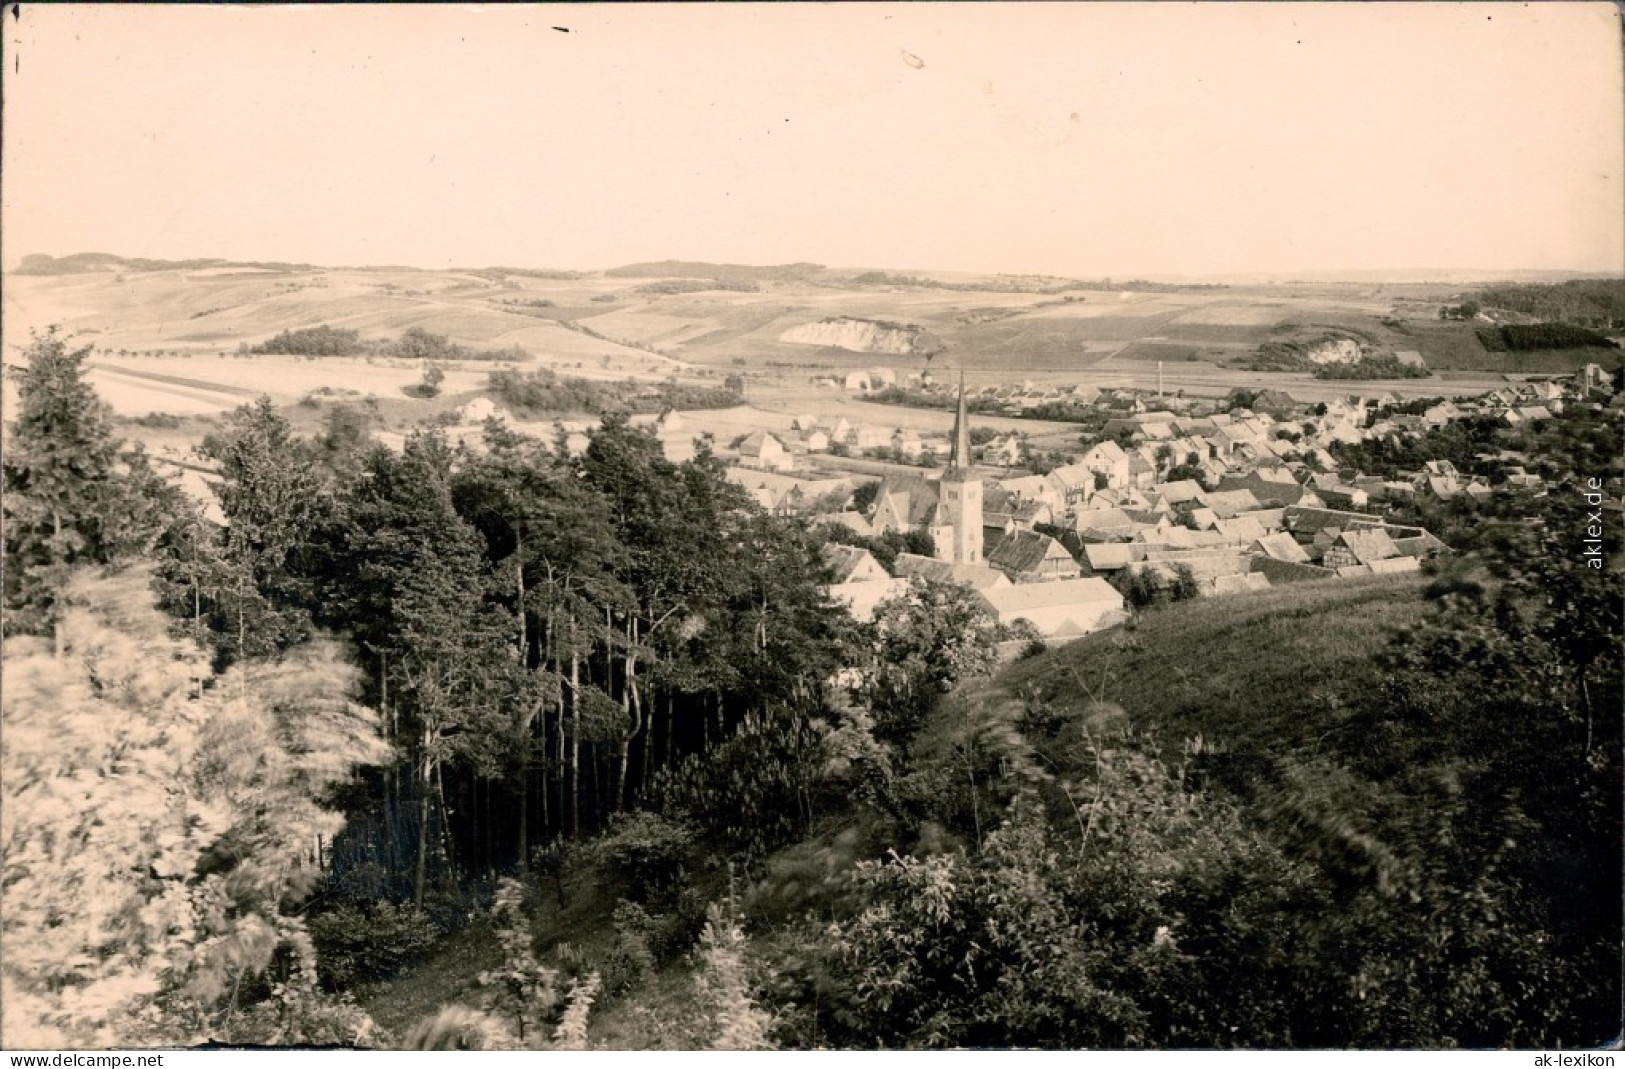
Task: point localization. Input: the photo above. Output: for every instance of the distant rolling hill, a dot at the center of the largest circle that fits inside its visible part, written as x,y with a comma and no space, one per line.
716,272
1012,326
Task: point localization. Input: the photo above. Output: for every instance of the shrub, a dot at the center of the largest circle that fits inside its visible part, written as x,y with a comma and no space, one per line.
365,942
737,1022
630,960
644,854
523,988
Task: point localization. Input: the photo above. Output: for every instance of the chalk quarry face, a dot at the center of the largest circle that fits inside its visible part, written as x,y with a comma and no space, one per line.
855,335
1337,351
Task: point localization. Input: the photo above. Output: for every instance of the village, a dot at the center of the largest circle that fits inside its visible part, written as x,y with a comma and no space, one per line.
1221,494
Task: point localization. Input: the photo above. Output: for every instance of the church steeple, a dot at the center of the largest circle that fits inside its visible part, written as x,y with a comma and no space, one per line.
959,450
960,540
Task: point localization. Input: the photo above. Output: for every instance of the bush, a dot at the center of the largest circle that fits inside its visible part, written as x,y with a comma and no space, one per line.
644,854
365,942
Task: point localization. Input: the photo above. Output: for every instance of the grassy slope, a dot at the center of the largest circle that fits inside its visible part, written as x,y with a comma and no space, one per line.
1254,674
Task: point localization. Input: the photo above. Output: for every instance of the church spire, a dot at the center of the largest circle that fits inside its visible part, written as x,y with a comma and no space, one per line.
959,450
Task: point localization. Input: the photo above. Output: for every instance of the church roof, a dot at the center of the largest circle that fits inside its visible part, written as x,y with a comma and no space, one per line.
959,446
913,497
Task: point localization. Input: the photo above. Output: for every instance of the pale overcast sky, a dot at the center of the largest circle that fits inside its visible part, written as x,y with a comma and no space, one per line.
1079,139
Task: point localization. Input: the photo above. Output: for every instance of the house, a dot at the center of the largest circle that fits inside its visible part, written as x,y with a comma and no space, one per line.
1442,487
1280,546
1065,608
1141,472
852,564
907,443
1075,482
1276,492
1112,556
852,521
1276,403
815,441
1028,555
1282,571
1177,492
1359,546
1416,542
1236,584
861,599
1009,512
870,438
1440,414
1240,530
1204,566
1107,459
763,449
838,429
1304,523
809,487
1004,451
1040,488
1226,503
857,381
1104,524
1343,497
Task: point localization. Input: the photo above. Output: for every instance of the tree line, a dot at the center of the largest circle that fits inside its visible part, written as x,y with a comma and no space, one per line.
414,343
545,391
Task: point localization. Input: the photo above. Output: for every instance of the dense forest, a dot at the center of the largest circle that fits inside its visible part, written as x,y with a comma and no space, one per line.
599,708
1598,303
1526,337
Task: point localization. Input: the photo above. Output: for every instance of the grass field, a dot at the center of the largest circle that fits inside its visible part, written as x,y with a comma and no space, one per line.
1234,671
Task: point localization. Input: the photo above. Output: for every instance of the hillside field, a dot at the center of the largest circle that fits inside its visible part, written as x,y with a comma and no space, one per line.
166,338
1253,675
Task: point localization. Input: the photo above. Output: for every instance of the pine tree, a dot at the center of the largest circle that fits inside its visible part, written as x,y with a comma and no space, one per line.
65,496
406,577
273,498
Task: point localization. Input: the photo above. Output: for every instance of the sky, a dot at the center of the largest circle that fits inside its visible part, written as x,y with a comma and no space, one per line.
1074,139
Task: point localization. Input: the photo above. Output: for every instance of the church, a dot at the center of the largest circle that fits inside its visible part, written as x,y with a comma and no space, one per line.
949,507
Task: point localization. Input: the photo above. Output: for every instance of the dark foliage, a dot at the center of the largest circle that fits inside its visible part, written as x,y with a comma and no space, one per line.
1598,303
544,391
367,942
1520,337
